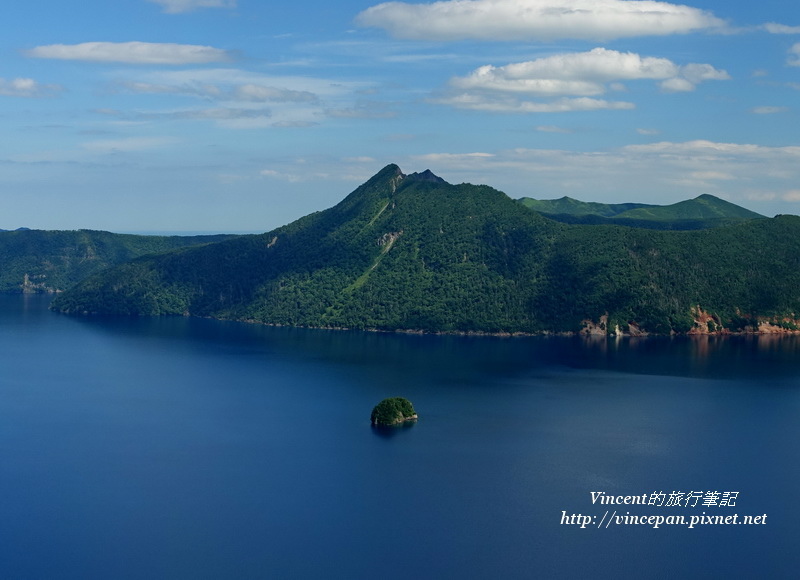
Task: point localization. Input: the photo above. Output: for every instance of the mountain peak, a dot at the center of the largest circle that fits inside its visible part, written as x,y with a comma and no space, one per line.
426,176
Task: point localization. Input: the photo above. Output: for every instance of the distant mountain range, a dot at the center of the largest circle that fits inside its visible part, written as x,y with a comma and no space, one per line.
699,213
52,261
414,253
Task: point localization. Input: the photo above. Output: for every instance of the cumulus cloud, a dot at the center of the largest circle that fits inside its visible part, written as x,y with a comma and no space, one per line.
24,87
677,85
573,80
180,6
132,53
534,20
697,73
583,73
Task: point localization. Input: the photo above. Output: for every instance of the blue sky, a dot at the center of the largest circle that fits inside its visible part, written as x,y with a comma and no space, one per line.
242,115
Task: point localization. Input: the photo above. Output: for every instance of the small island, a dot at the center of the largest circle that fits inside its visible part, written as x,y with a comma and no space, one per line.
392,412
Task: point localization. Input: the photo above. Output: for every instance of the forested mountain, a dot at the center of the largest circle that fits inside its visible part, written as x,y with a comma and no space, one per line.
705,211
569,206
50,261
412,252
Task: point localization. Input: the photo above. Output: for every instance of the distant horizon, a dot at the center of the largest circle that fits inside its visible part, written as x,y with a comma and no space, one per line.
147,232
231,231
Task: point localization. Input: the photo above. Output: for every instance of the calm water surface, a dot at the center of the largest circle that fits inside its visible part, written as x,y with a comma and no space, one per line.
187,448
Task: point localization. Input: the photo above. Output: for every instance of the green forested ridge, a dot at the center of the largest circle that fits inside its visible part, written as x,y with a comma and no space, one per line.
415,253
705,211
569,206
50,261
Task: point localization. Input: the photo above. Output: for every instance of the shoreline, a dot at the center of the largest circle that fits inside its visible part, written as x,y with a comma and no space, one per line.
590,330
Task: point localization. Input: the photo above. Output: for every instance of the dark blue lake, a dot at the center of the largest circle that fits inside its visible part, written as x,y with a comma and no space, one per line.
188,448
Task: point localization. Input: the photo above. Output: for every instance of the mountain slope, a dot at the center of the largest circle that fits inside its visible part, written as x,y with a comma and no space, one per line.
569,206
705,211
51,261
702,207
413,252
399,252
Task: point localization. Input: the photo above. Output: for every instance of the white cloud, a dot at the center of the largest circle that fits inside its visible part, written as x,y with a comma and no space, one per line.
128,144
792,196
155,89
495,104
226,117
712,175
249,92
504,79
504,20
677,85
775,28
362,159
296,124
298,172
769,110
552,129
180,6
582,75
673,172
794,52
293,101
212,114
453,159
696,73
705,148
262,94
132,53
24,87
643,131
361,110
760,196
228,82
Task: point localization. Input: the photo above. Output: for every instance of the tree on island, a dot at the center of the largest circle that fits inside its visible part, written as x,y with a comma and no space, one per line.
393,411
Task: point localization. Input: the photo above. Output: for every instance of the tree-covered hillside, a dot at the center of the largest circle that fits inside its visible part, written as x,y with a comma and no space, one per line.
575,207
416,253
51,261
702,212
